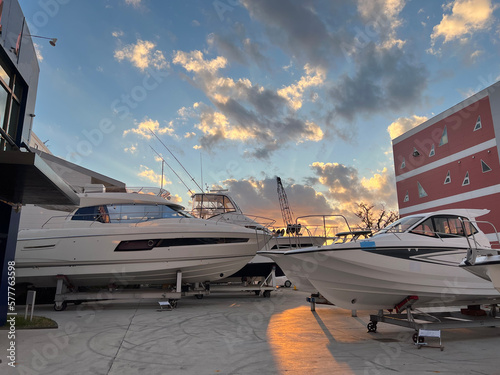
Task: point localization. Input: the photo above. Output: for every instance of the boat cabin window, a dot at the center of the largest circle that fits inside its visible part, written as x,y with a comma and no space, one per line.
93,213
426,228
402,224
445,227
453,226
130,213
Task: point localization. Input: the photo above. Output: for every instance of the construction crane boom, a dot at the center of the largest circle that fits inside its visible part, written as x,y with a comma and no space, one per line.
286,211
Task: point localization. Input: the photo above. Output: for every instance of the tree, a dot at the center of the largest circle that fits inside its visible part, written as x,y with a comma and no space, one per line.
375,220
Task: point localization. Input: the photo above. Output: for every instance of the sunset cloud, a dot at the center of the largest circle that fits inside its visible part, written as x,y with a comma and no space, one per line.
151,176
295,92
242,111
466,18
145,127
403,124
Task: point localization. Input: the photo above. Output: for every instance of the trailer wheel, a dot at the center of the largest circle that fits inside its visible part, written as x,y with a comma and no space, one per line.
199,296
288,284
372,327
173,303
257,292
58,306
266,294
415,337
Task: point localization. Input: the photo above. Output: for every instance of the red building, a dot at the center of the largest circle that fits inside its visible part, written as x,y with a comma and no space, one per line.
452,160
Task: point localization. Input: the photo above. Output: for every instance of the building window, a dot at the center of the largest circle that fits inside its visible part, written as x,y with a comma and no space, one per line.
444,137
478,124
415,152
466,179
407,197
447,180
432,152
485,167
421,191
12,89
403,164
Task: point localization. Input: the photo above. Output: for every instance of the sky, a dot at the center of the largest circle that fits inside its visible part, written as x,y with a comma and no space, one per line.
240,92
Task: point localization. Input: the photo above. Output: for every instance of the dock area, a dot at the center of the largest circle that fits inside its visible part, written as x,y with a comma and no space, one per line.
237,334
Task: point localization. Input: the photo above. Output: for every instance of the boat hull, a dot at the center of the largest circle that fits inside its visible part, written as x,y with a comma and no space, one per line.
296,272
486,267
359,279
105,254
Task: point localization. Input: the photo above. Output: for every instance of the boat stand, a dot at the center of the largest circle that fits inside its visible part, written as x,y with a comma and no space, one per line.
264,288
317,298
67,293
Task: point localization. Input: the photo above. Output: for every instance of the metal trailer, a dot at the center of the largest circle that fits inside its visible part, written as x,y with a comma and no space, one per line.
429,321
67,293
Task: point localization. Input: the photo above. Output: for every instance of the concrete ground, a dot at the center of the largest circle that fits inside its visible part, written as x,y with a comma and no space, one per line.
237,334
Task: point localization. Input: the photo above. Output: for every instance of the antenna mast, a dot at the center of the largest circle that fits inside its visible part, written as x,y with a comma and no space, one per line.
168,165
192,178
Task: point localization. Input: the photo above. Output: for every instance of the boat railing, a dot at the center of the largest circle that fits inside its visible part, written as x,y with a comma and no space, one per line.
88,220
159,192
55,222
248,221
474,251
322,230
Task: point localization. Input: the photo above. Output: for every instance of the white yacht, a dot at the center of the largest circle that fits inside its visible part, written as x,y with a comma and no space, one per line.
130,238
417,256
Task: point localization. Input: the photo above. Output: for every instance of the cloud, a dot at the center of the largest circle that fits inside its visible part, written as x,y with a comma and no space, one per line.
38,51
134,3
403,124
299,29
142,55
237,46
346,188
260,198
245,112
383,17
150,175
466,18
384,79
132,149
194,62
145,127
294,92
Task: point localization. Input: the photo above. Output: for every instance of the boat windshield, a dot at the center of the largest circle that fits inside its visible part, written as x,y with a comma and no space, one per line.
206,206
402,225
129,213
